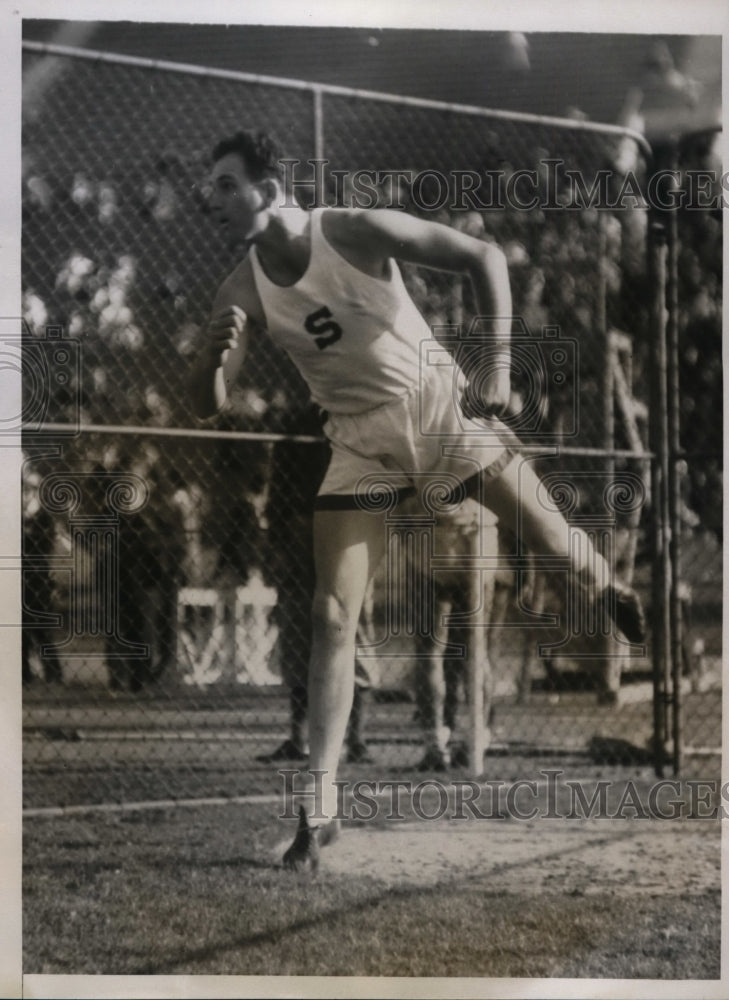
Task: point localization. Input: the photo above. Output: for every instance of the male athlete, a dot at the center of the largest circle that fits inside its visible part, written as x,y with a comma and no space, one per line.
326,287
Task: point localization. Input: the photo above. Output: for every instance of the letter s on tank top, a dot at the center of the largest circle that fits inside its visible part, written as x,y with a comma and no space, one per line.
354,338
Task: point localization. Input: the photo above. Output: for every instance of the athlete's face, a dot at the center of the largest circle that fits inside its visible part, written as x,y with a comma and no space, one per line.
236,203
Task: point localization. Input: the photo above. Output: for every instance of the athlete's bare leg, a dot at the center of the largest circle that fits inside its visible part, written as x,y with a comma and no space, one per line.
524,507
348,546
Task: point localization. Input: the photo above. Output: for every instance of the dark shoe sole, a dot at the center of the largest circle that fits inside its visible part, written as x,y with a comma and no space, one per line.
287,751
623,606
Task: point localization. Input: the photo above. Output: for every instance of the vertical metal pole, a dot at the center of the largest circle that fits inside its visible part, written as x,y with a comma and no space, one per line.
476,663
674,485
659,477
611,664
608,389
318,98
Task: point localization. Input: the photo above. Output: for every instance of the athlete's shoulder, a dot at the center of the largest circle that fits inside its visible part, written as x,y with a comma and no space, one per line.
355,222
372,231
341,223
239,289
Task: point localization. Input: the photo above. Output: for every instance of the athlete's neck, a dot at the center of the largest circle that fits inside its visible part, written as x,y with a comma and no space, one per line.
284,246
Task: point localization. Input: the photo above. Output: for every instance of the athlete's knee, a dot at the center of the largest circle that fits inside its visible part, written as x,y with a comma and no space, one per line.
333,620
435,680
544,532
429,644
592,569
554,535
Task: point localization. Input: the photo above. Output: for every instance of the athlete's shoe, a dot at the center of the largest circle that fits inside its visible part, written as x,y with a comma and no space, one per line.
288,750
623,605
358,753
459,755
362,676
304,852
434,760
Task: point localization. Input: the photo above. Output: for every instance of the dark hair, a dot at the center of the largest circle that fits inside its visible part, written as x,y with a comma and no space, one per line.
260,154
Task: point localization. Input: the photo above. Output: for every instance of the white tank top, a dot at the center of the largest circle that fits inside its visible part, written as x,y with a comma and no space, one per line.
354,338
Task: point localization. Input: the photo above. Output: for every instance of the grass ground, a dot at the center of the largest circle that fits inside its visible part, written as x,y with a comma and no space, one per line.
201,891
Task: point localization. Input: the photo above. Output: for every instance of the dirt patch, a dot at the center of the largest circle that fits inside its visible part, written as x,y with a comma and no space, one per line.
629,857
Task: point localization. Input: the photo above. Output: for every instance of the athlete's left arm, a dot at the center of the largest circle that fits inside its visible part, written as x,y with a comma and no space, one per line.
386,233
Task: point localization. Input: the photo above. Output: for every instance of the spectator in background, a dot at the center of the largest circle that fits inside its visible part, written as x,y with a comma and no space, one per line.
39,595
441,649
150,560
232,527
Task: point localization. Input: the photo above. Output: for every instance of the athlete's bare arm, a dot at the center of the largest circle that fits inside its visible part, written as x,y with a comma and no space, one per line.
369,238
235,315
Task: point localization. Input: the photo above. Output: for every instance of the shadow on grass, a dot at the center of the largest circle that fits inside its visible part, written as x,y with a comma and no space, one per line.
333,919
243,861
275,936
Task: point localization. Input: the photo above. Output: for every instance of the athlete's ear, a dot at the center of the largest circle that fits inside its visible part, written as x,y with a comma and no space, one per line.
269,191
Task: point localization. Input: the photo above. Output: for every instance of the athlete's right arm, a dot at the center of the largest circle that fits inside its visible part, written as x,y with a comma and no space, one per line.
220,357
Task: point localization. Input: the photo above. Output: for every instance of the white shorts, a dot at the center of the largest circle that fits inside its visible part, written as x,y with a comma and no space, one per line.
420,443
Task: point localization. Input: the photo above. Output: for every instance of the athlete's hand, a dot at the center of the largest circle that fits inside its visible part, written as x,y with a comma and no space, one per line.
488,392
223,333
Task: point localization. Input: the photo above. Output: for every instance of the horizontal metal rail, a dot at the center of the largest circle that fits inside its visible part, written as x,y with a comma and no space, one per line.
142,62
70,430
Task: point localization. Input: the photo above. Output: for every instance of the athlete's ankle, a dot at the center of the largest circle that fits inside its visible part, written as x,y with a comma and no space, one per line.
315,790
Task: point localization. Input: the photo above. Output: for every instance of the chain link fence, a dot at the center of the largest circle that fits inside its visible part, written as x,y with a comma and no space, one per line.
167,563
695,348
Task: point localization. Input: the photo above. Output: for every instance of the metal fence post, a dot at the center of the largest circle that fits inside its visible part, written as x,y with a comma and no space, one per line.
318,98
673,416
659,475
608,389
